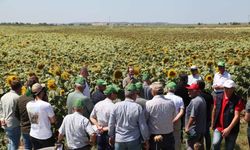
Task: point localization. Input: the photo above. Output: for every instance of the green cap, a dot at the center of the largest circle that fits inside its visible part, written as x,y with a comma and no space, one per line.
101,82
221,63
145,76
80,81
138,86
171,86
131,87
111,89
78,103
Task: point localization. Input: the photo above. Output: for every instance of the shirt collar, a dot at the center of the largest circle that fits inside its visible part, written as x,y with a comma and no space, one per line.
129,99
158,96
170,93
108,100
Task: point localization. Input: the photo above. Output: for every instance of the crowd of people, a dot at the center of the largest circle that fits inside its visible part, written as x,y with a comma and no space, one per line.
155,116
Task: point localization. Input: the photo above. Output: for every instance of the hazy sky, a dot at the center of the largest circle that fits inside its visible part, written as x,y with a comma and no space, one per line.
172,11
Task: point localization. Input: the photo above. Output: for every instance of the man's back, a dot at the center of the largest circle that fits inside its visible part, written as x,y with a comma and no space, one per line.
197,109
75,127
160,113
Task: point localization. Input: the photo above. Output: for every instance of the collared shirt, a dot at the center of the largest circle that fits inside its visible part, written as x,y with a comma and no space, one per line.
160,112
8,104
178,102
88,105
102,111
75,126
141,101
193,78
127,122
219,79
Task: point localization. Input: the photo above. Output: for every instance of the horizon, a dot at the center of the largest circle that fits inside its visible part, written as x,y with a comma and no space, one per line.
140,11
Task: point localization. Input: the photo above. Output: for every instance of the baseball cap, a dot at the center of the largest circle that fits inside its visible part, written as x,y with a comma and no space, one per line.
171,86
138,86
37,88
193,67
193,86
101,82
111,89
221,64
229,84
145,76
80,81
78,103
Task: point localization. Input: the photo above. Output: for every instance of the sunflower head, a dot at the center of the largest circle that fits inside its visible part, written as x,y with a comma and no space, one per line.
11,78
51,84
65,75
209,78
136,71
40,66
62,92
117,74
171,73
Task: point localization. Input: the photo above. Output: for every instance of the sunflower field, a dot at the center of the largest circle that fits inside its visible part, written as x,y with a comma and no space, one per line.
56,54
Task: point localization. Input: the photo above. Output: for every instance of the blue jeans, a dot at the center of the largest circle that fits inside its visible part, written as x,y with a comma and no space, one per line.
103,142
13,135
26,140
229,140
134,145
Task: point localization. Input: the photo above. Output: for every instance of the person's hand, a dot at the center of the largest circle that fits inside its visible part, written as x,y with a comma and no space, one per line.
186,130
2,122
111,141
226,132
158,138
100,129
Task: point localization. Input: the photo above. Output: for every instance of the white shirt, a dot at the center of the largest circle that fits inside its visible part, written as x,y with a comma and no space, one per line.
86,90
102,111
178,102
39,113
219,79
75,126
193,78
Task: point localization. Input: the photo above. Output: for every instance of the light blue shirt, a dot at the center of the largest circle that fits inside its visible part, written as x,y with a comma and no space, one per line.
127,122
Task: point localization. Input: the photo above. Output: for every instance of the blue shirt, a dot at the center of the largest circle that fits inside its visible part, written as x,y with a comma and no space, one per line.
127,122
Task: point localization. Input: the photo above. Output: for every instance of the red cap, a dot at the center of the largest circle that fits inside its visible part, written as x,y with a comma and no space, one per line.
193,86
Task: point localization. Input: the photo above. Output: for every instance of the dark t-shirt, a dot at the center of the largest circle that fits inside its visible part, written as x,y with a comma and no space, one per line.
209,102
22,114
97,96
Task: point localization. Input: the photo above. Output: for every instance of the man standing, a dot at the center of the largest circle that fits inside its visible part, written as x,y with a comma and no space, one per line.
9,122
84,73
77,94
220,77
98,95
127,123
75,126
41,117
22,114
179,108
160,113
139,100
209,102
100,117
130,77
194,76
226,116
195,119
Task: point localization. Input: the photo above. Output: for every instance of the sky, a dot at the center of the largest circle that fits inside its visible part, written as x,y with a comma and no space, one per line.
171,11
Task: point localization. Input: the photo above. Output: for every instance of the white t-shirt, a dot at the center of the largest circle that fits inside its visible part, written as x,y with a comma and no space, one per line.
219,79
178,101
39,112
193,79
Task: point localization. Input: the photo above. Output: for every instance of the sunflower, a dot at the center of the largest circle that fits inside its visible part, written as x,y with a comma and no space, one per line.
51,84
171,73
23,90
209,78
40,66
62,92
209,63
65,75
136,71
117,74
10,79
57,71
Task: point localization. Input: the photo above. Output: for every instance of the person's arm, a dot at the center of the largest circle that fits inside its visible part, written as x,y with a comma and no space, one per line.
60,137
247,116
111,127
52,119
143,125
213,113
235,120
190,122
179,115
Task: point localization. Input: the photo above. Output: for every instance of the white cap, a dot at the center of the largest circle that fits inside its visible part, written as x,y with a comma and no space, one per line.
229,84
194,67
